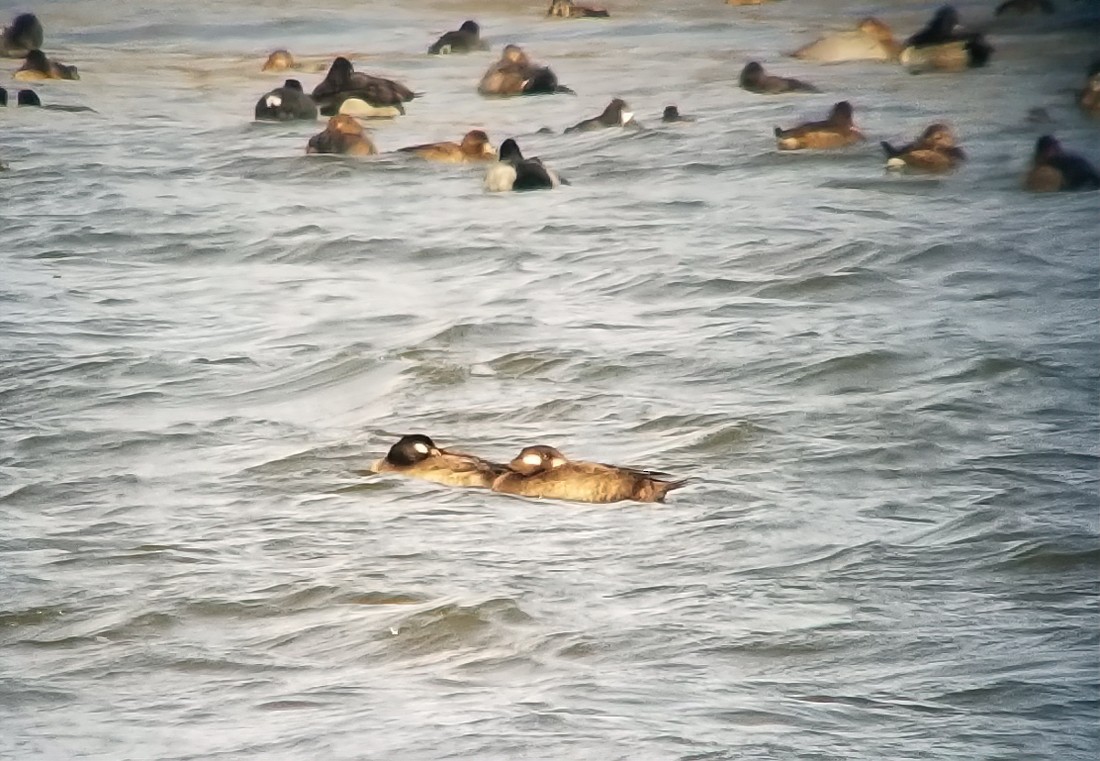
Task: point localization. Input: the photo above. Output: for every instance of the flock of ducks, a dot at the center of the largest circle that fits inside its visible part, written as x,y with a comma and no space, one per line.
537,471
348,97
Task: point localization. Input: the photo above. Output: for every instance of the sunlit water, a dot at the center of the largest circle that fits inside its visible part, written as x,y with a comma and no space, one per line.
885,391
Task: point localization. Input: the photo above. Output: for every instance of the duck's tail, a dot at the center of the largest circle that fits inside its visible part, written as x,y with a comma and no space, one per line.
662,488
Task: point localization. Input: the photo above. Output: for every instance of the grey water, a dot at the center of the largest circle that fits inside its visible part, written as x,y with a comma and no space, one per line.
885,391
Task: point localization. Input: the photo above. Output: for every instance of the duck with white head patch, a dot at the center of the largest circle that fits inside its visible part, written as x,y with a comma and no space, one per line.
465,39
617,114
286,103
544,472
417,456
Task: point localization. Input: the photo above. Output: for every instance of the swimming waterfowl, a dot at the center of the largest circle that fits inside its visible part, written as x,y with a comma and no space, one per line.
23,35
544,472
755,79
942,46
3,97
286,103
836,131
475,146
417,456
465,39
615,115
36,67
1052,169
934,151
569,9
672,114
280,60
343,82
871,40
1024,6
514,172
343,134
1089,98
30,99
514,74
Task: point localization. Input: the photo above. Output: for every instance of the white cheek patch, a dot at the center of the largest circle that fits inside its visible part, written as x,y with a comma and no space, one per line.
627,116
532,459
274,101
421,447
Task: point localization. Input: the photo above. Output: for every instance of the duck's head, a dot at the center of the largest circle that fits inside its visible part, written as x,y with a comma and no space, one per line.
28,98
876,29
476,143
1047,147
945,20
37,61
752,73
292,84
344,125
340,72
938,136
509,152
470,27
412,449
537,459
618,112
280,60
841,115
514,54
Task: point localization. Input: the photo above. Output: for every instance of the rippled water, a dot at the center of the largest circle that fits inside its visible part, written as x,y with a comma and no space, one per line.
885,391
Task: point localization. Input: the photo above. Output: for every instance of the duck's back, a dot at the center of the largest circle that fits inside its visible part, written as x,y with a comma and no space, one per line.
586,482
845,46
448,469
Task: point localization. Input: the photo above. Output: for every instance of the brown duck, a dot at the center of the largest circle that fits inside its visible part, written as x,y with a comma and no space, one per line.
475,146
417,456
835,132
544,472
934,151
342,135
36,67
515,74
569,9
754,79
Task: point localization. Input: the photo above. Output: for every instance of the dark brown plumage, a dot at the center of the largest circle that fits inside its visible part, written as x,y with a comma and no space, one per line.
343,82
755,79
